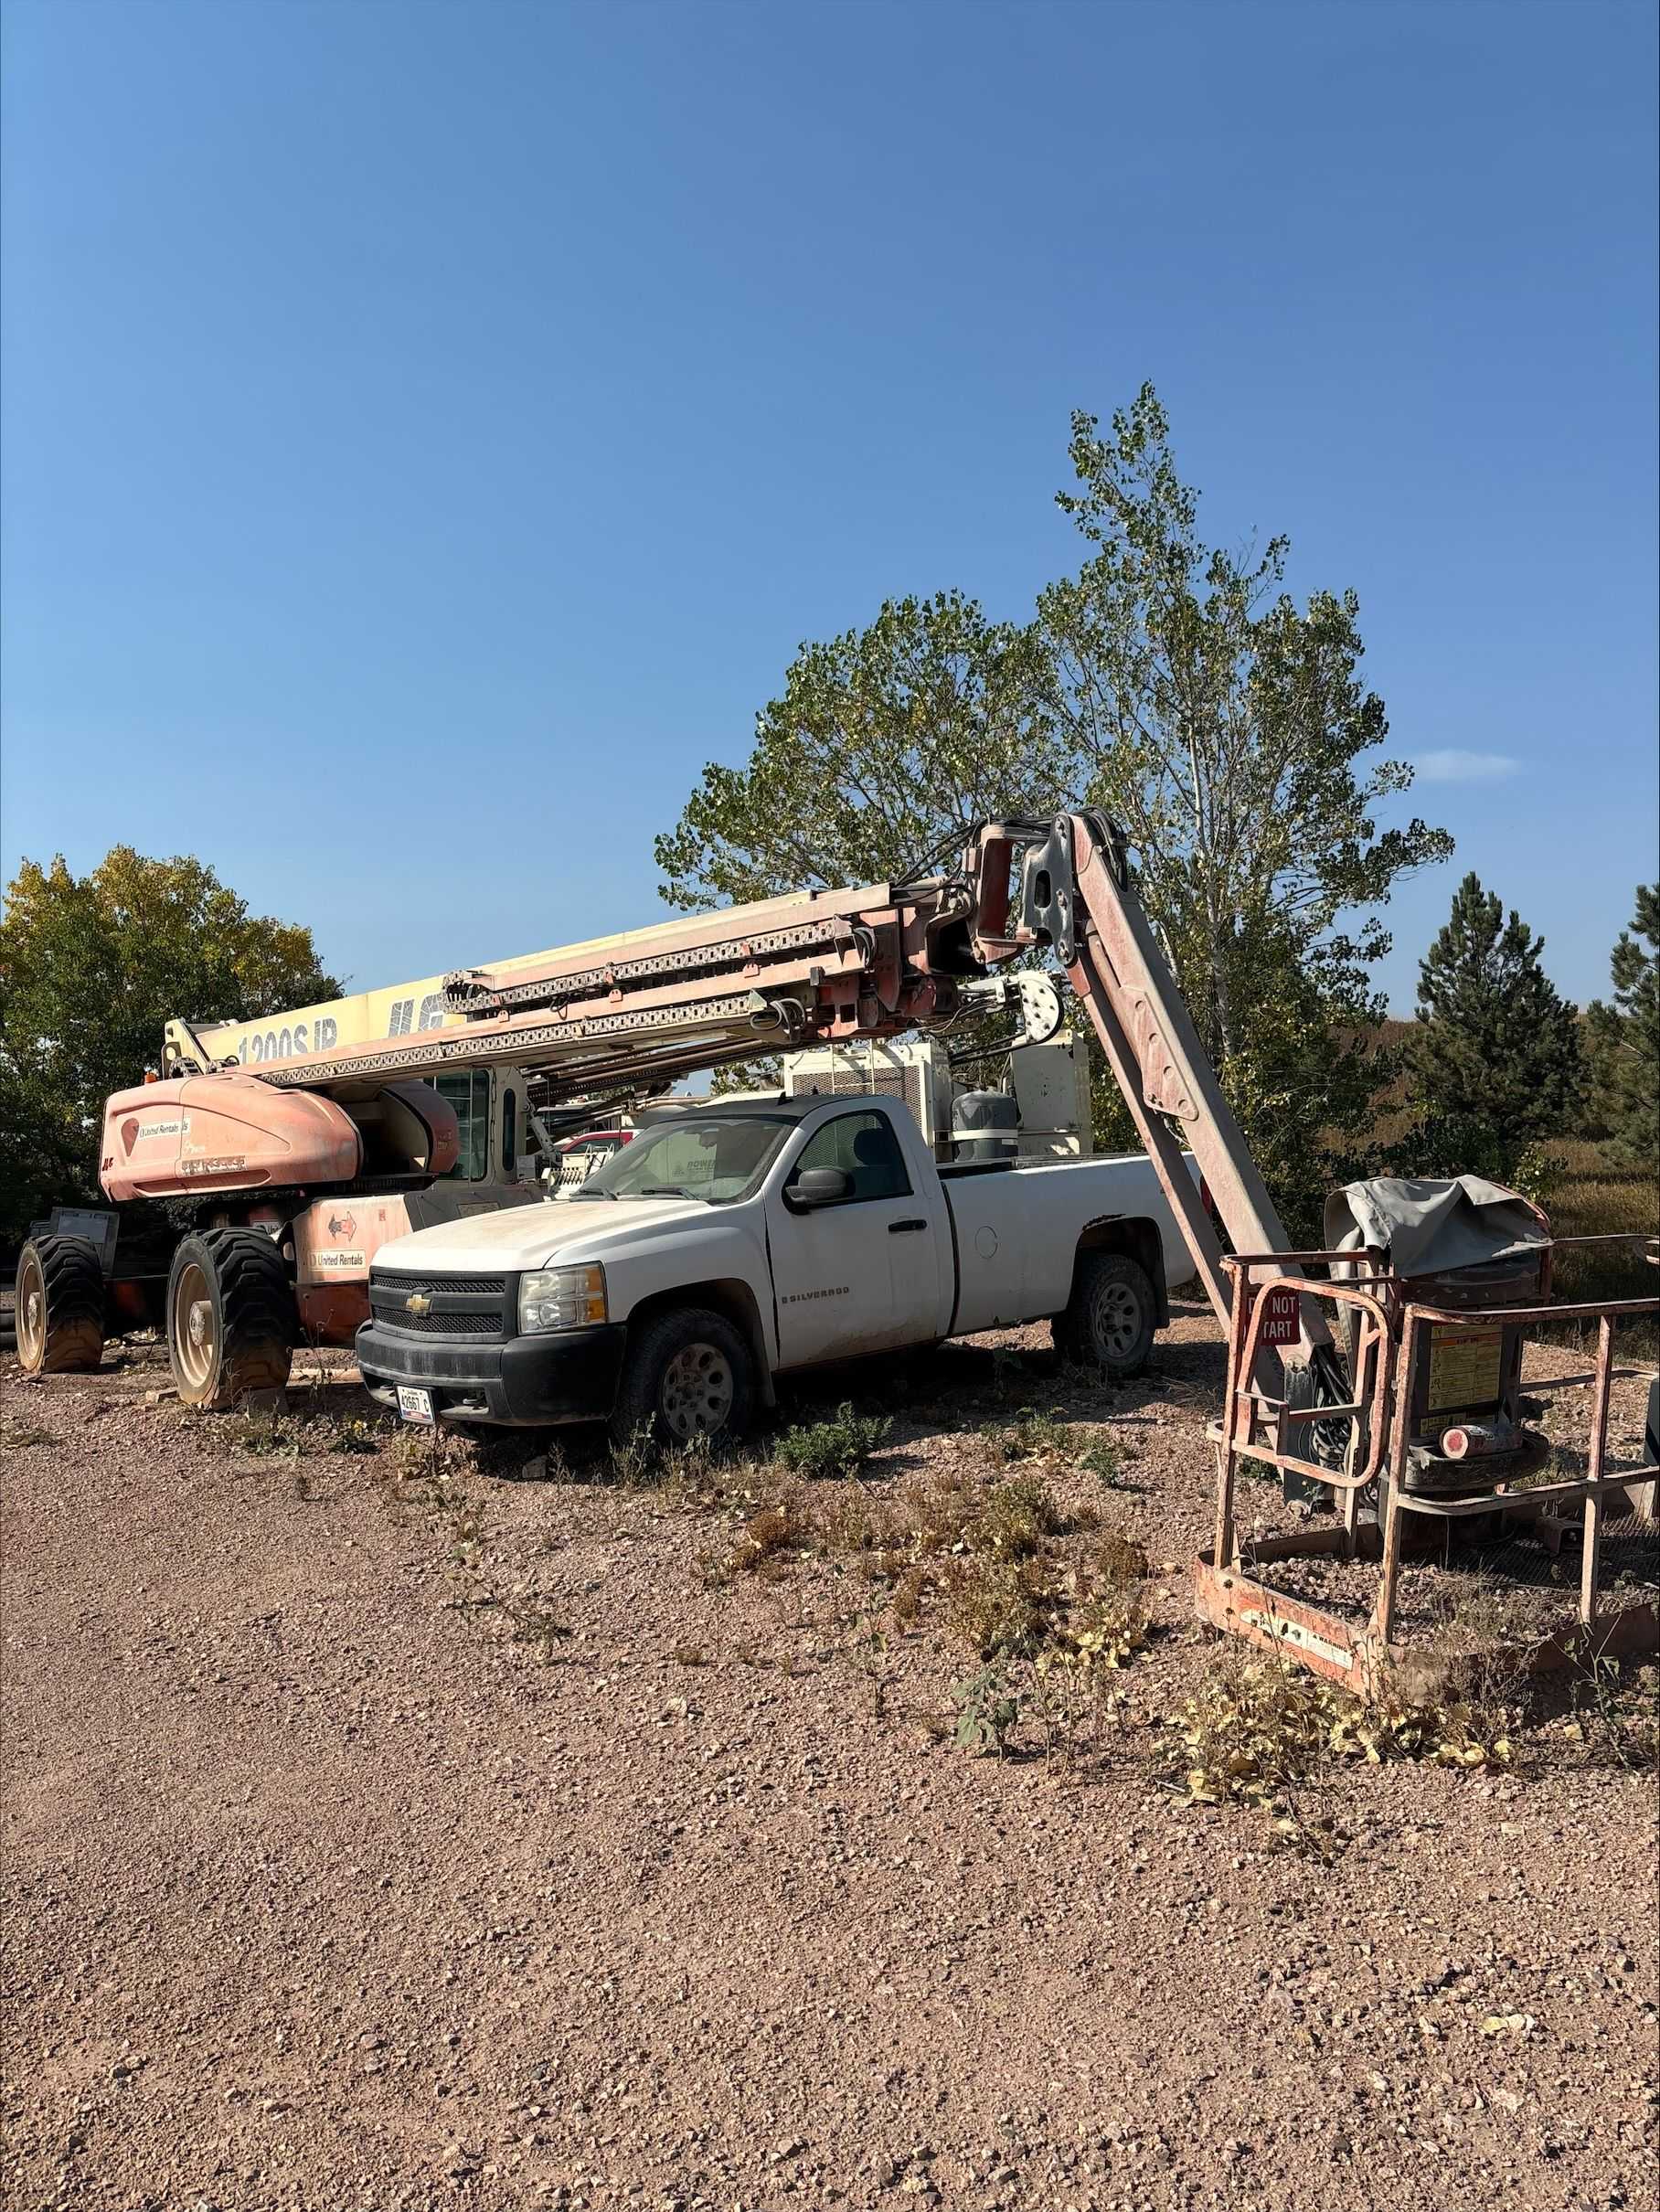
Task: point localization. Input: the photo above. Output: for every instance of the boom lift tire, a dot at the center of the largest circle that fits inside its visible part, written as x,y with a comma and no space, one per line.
60,1305
689,1374
232,1320
1112,1316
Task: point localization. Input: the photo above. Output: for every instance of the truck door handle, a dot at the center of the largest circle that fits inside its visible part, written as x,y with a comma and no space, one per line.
899,1229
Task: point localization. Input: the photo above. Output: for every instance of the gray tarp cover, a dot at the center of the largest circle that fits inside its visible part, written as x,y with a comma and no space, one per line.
1428,1226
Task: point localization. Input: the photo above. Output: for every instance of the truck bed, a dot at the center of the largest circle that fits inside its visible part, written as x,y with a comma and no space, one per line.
1031,1213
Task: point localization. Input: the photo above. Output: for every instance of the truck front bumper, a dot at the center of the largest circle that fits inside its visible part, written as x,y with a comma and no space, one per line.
527,1382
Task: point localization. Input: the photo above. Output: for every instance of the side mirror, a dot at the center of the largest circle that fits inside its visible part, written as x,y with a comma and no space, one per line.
820,1186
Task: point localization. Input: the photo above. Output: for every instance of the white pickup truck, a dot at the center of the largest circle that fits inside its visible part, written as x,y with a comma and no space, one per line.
731,1243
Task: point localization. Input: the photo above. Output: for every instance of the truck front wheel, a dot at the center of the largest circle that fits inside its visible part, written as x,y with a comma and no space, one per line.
688,1374
60,1305
1112,1316
232,1320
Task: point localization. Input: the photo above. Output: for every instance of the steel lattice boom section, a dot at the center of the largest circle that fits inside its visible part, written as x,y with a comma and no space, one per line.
809,969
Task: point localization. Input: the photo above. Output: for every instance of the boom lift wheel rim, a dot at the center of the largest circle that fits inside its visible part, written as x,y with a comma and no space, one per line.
31,1312
695,1397
191,1326
58,1319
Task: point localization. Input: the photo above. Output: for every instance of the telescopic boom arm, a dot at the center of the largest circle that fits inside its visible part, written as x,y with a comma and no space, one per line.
816,967
1072,879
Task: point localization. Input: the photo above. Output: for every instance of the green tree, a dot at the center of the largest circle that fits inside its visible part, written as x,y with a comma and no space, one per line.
885,746
1180,687
1624,1040
91,968
1495,1062
1228,730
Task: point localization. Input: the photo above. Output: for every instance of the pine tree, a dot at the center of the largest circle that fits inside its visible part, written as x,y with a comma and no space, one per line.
1625,1041
1495,1062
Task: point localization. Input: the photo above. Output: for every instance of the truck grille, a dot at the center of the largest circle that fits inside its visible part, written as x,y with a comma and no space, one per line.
438,1324
462,1305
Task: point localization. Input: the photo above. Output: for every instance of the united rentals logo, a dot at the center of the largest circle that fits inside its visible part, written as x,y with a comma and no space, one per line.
418,1302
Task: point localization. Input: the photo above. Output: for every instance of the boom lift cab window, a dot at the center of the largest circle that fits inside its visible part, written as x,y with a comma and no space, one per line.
468,1092
864,1145
509,1133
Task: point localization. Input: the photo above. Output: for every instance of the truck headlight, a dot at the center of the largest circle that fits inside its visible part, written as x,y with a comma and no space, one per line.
561,1298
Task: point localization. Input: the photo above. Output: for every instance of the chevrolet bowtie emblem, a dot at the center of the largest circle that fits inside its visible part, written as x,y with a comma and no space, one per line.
418,1302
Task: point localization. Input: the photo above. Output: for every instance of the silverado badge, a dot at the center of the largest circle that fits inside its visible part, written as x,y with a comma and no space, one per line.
418,1302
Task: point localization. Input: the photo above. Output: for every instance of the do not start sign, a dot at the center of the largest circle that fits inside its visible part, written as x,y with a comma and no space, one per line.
1283,1315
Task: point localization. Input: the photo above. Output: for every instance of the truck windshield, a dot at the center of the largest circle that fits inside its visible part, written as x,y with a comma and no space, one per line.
715,1157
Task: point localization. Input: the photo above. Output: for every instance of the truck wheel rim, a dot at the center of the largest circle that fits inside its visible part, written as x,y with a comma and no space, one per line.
31,1312
696,1399
194,1339
1117,1319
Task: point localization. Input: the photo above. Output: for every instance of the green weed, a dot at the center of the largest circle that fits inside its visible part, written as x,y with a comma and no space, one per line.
1105,1461
835,1447
269,1436
1016,1517
353,1436
634,1462
1261,1730
987,1709
1032,1435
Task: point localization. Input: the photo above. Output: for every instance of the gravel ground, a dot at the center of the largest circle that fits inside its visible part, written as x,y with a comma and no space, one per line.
326,1891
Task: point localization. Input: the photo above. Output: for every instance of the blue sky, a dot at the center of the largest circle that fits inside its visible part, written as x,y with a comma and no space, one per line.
429,430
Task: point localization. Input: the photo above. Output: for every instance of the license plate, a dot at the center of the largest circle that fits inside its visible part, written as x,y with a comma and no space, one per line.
415,1405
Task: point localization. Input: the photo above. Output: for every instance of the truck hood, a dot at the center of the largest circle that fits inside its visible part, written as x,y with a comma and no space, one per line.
521,1237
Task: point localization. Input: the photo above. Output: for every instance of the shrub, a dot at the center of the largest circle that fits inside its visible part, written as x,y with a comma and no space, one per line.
1016,1517
998,1606
839,1447
1032,1435
1105,1462
987,1709
775,1528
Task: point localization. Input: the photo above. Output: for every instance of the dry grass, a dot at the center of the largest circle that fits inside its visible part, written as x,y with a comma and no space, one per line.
1594,1200
1262,1732
981,1556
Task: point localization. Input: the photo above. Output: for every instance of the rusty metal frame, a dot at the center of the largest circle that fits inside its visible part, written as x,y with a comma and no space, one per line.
1247,1403
1417,1320
1391,1345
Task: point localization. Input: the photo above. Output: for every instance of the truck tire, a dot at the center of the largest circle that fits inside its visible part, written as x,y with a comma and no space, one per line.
60,1305
1112,1316
689,1374
231,1321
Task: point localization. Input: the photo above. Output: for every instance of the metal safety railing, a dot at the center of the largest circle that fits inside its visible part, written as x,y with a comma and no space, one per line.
1256,1425
1594,1487
1389,1337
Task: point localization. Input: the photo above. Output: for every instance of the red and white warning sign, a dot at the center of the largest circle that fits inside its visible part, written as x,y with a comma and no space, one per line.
1283,1315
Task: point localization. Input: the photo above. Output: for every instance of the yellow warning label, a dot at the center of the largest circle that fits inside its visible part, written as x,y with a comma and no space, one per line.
1465,1367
